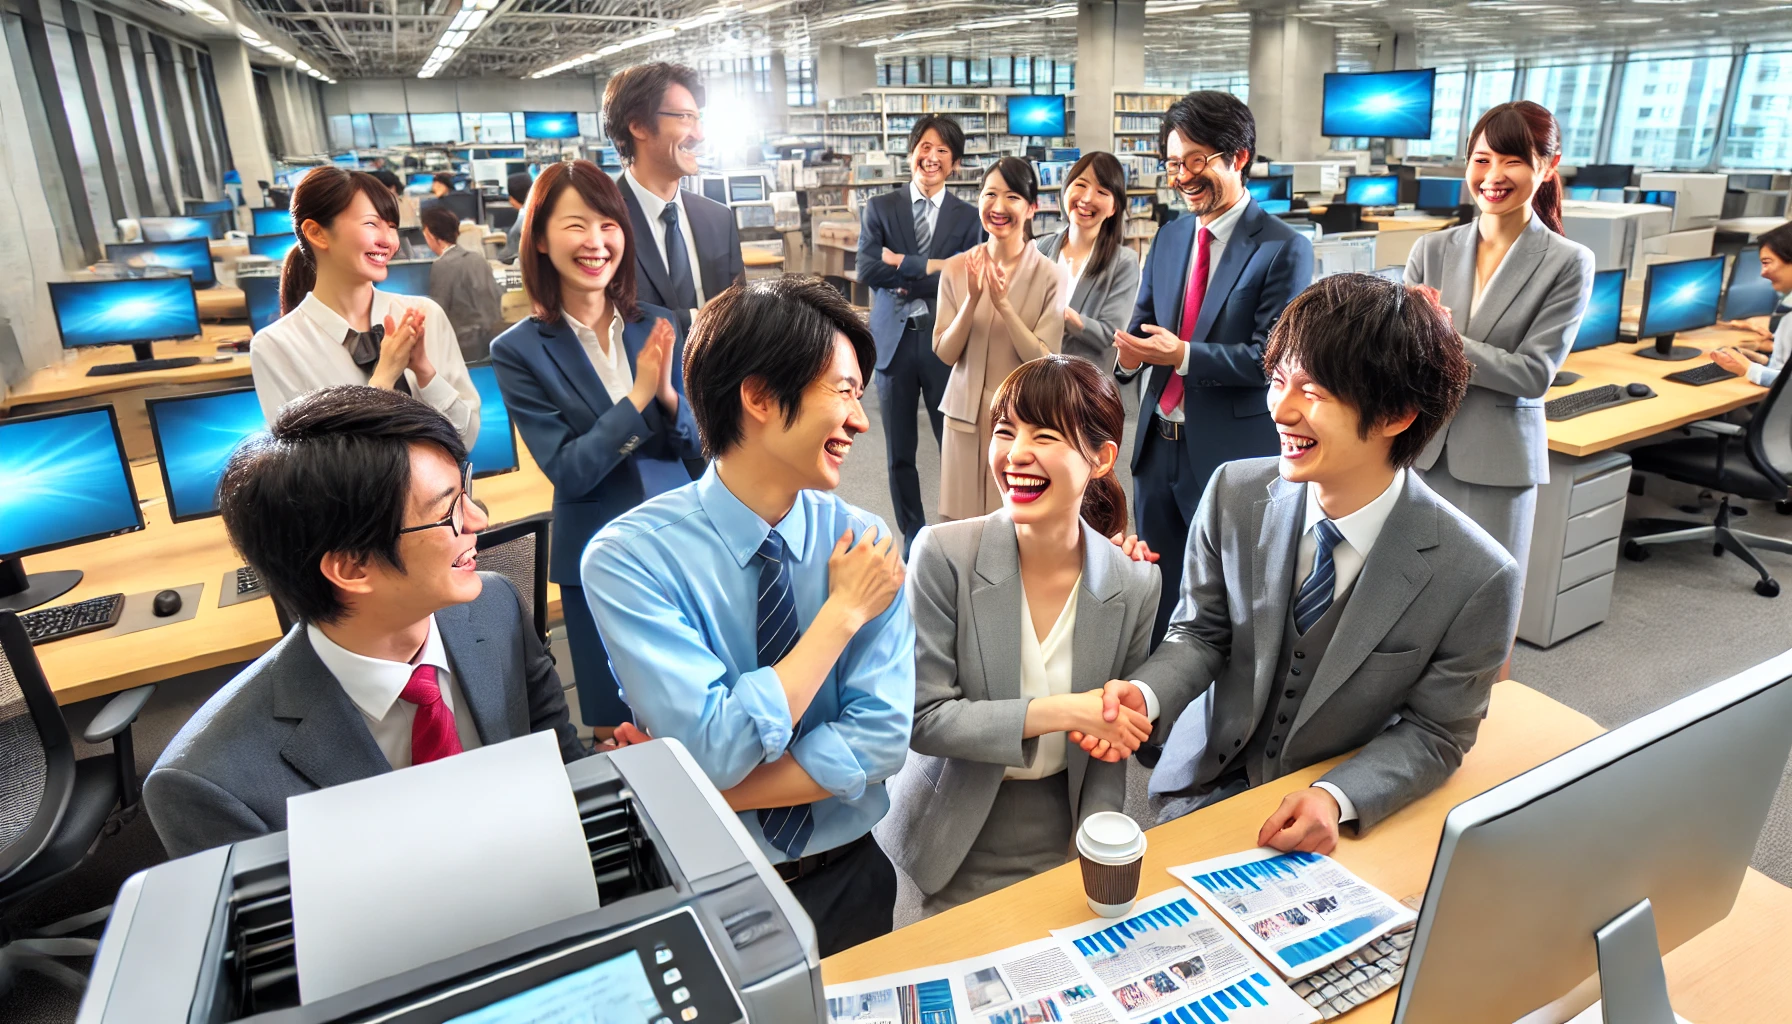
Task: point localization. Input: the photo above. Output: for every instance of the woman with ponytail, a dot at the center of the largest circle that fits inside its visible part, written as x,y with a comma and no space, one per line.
1515,289
1021,617
337,328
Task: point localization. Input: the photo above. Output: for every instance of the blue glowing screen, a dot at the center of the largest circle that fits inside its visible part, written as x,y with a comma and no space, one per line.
1276,186
1749,293
1372,190
1389,104
194,438
171,229
272,222
612,992
408,277
124,311
420,178
1274,206
1681,296
274,247
1440,193
62,480
193,255
1036,115
495,451
538,125
1586,192
262,295
1599,324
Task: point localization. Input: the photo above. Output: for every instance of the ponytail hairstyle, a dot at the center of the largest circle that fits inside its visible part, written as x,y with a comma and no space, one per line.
1526,129
1020,177
1073,396
323,194
1112,179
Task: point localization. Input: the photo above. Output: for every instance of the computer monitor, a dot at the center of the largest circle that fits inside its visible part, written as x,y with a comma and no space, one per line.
1041,116
126,311
407,277
420,179
746,188
174,229
1440,194
1275,206
1372,189
192,256
501,216
1748,293
1604,175
194,436
271,222
274,247
1305,227
1599,324
538,125
63,481
1679,296
715,187
464,204
1384,104
202,207
495,451
262,295
1275,186
1588,193
1599,860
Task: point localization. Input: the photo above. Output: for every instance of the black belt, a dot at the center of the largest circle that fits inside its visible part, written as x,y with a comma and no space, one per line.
791,870
1167,429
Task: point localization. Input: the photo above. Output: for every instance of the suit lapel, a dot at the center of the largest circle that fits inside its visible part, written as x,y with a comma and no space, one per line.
331,744
1514,272
711,258
1099,615
1079,294
477,668
995,607
901,216
1238,251
562,346
646,253
1459,273
1278,520
954,212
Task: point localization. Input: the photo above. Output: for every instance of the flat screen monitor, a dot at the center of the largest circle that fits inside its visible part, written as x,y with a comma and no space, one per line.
746,188
63,481
173,229
271,222
262,295
1276,186
539,125
1749,294
1384,104
194,436
716,188
502,217
292,178
1372,189
1439,193
1583,192
346,160
464,204
199,209
192,256
495,451
419,179
1658,197
124,311
1604,175
1036,115
1275,206
1681,296
274,247
407,277
1599,324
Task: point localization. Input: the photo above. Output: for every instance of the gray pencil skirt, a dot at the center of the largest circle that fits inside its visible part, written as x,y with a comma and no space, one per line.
1028,831
1508,513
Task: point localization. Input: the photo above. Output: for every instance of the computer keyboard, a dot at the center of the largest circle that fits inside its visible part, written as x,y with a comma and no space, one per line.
1582,402
1358,978
248,581
1699,376
68,620
142,366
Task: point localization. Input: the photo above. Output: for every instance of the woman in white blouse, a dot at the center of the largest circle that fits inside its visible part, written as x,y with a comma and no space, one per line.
1021,616
337,328
1101,275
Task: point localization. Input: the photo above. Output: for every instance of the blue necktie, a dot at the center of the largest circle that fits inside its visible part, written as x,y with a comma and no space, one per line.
786,828
1316,593
678,262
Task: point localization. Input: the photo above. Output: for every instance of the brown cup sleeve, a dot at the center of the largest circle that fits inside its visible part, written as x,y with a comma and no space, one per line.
1111,884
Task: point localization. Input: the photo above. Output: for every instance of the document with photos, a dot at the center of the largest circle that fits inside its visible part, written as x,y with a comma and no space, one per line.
1170,962
1301,911
1032,983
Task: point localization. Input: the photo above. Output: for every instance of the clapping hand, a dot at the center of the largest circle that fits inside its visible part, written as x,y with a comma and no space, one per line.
401,348
973,274
1157,345
995,282
653,370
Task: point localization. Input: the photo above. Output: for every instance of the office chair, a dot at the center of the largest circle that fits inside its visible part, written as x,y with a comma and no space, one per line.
1753,462
1340,217
53,808
518,551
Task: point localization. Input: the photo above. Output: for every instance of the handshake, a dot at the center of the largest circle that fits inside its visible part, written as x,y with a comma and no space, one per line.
1110,723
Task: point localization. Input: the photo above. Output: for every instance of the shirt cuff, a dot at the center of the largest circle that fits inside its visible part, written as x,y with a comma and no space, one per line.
830,761
438,393
1151,705
1757,374
1346,809
1187,350
761,696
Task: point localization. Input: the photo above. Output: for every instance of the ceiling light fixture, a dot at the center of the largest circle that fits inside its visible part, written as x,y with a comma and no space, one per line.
466,21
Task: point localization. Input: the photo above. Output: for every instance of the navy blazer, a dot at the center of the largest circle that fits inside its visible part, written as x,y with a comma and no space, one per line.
603,457
889,223
717,260
1264,265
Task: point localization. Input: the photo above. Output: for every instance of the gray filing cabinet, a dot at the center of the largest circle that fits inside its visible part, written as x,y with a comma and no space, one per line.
1574,549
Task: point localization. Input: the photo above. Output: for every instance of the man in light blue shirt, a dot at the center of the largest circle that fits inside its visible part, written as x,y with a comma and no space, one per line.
759,619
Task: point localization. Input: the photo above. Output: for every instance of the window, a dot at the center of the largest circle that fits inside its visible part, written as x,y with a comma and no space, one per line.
980,71
342,133
1489,86
1679,134
363,129
1761,129
1001,71
1576,95
1023,71
961,72
493,127
914,71
1064,76
1446,117
1042,71
799,81
431,128
391,130
936,71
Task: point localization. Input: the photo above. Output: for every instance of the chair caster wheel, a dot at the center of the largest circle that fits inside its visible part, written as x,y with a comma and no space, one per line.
1635,552
1767,588
1717,551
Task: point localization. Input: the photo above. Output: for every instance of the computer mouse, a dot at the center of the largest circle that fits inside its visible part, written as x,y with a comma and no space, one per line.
167,603
1634,391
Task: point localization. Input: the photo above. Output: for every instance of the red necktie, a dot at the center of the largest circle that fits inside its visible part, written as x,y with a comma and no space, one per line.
432,732
1191,315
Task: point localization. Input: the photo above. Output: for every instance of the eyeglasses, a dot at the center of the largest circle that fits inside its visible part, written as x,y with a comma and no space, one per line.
1176,168
684,117
456,518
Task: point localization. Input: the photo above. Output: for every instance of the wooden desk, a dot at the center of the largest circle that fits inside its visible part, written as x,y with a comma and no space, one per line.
1675,404
67,380
1394,223
760,258
222,302
1731,973
165,554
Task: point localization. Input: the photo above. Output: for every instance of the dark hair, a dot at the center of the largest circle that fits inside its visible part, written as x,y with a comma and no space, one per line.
948,130
441,222
1380,347
541,280
1112,177
1217,120
1526,129
1071,395
1019,176
388,179
332,475
324,193
633,96
445,179
779,332
518,186
1779,242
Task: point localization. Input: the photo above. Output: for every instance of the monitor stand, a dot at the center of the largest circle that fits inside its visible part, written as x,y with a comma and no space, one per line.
145,360
1667,351
19,591
1632,984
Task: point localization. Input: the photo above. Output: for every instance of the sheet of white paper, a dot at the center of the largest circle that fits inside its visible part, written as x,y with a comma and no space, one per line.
404,869
1595,1014
1032,983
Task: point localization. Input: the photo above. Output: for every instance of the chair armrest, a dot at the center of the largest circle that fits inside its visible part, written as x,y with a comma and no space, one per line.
118,714
1718,427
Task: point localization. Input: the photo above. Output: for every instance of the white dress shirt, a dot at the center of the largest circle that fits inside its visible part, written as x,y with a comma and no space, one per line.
373,684
918,307
612,366
1782,346
652,207
307,349
1045,666
1222,228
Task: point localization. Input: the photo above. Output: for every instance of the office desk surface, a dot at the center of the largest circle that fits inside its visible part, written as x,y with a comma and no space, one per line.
65,380
165,554
221,302
760,257
1395,223
1675,404
1731,973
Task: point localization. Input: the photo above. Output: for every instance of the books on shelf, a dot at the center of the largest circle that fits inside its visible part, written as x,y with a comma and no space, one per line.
1137,123
1124,101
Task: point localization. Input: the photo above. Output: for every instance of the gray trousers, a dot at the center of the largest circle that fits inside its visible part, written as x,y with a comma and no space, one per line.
1507,513
1028,831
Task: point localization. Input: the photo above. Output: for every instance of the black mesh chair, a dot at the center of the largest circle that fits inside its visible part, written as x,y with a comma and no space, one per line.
518,551
1341,217
53,808
1753,462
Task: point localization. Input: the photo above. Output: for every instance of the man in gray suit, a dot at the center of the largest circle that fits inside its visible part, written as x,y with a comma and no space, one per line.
1330,599
356,514
461,282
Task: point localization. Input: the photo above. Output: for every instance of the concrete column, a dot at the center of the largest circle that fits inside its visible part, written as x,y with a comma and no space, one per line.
1110,58
842,71
242,115
777,103
1289,59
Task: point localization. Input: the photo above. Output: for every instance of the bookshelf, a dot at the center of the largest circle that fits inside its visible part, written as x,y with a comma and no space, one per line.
1137,116
880,120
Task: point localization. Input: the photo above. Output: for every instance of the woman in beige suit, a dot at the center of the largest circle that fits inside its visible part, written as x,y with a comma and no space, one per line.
1000,304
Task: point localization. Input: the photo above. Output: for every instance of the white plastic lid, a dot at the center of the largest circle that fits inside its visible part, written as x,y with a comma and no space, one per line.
1109,837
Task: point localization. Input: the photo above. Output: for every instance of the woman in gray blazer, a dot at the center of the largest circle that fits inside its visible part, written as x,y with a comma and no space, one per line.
1021,617
1101,275
1516,289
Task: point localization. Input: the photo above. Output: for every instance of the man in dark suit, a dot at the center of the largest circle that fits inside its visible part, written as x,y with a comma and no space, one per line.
1214,282
355,512
687,248
906,236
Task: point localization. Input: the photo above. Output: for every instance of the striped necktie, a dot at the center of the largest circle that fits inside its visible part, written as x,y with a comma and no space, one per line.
1315,595
786,828
923,228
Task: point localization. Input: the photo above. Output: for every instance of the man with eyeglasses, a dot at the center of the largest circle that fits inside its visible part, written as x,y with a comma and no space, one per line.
356,511
1214,283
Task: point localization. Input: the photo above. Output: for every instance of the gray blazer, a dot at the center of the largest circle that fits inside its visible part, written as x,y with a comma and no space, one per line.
461,282
1516,341
285,726
964,587
1407,674
1103,300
